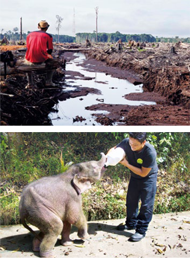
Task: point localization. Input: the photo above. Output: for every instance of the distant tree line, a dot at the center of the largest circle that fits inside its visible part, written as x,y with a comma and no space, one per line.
114,37
63,38
173,40
14,35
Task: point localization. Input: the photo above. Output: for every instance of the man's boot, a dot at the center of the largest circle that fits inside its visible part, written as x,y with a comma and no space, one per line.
30,78
49,77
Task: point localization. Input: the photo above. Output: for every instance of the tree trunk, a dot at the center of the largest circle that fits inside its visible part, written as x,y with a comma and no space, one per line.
15,139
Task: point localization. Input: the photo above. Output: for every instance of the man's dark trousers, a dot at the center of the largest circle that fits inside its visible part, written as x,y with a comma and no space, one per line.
143,189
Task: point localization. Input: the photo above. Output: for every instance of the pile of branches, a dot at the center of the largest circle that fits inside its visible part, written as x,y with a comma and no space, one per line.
27,106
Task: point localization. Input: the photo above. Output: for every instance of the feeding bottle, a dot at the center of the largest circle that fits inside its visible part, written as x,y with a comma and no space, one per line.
114,156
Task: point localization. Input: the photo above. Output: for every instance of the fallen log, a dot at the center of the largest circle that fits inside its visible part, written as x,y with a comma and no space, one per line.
22,66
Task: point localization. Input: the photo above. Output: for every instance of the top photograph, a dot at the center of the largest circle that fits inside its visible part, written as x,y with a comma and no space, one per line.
95,63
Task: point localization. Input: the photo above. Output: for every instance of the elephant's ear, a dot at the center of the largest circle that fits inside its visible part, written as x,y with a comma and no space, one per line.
81,184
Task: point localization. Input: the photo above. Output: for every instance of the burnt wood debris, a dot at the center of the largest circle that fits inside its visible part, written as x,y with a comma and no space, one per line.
23,105
163,68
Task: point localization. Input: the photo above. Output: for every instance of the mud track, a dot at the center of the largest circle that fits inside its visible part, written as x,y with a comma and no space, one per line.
163,69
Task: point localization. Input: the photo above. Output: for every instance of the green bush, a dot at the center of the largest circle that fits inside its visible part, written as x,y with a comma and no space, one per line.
9,207
25,157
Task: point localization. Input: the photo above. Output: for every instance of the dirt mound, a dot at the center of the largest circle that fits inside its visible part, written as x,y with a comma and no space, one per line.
164,69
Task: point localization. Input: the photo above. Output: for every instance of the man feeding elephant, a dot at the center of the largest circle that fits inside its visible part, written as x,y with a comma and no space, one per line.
39,48
140,159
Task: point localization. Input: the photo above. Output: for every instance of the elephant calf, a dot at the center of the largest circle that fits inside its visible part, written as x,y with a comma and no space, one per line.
54,203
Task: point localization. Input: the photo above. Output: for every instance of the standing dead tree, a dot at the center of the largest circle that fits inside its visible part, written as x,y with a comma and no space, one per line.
96,10
59,21
20,28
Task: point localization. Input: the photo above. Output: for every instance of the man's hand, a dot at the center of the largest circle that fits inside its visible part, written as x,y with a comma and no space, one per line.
138,171
50,56
124,162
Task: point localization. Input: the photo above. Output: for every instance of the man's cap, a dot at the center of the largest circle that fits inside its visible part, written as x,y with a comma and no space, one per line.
43,24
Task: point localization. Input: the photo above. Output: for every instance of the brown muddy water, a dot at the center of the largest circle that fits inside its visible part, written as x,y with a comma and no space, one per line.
111,91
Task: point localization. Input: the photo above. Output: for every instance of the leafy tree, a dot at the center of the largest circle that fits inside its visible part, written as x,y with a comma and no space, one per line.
15,29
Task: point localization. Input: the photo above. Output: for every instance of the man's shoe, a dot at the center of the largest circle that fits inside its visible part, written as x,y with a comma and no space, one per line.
51,84
136,237
123,226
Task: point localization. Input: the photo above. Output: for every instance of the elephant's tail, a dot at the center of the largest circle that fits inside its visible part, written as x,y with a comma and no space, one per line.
23,221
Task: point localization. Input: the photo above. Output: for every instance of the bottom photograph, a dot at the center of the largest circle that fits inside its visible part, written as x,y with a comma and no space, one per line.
95,194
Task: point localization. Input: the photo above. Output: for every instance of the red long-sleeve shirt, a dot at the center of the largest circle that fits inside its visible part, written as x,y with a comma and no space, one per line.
39,44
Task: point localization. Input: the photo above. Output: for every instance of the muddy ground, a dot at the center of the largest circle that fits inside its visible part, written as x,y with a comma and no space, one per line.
164,70
168,236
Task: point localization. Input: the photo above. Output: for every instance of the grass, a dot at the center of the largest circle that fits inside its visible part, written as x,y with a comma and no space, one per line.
9,208
174,204
105,200
141,50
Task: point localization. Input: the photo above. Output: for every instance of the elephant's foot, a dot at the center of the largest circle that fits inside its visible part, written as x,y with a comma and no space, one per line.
83,234
47,254
66,242
36,244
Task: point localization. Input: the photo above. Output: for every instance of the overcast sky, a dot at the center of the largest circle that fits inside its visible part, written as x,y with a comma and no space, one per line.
167,18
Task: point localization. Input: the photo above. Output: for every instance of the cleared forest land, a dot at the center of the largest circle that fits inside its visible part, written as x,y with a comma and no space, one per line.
163,69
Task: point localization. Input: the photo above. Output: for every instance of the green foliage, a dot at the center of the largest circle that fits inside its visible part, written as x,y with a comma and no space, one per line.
141,50
63,38
9,201
64,166
169,147
176,204
16,36
102,37
25,157
3,147
162,143
41,151
181,203
114,37
100,204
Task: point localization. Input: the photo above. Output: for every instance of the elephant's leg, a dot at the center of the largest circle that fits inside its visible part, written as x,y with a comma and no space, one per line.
37,242
50,226
47,245
81,224
65,234
51,234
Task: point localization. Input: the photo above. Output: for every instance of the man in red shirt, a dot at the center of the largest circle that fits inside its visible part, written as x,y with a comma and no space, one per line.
39,48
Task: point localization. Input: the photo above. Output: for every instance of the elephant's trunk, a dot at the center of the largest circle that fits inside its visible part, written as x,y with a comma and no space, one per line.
102,161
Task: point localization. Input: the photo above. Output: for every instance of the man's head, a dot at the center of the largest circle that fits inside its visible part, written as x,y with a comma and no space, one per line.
137,141
43,25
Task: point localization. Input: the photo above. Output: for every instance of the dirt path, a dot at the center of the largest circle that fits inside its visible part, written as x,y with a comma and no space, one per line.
168,236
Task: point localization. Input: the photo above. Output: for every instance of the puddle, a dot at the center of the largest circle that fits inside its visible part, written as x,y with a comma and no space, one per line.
112,92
